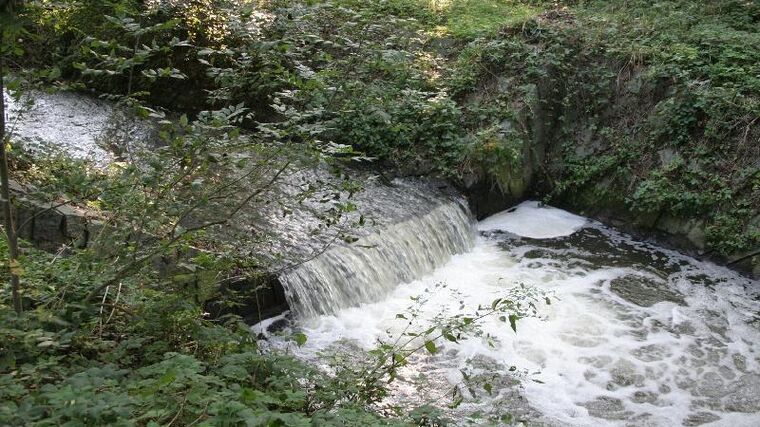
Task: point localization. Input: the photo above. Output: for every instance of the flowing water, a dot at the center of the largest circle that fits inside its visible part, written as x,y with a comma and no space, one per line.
623,332
69,123
372,266
618,332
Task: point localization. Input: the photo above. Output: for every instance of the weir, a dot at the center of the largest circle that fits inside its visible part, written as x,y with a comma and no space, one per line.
413,225
368,269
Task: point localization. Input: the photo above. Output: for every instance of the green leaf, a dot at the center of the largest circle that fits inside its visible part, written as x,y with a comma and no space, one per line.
488,388
458,401
513,321
430,346
300,339
399,358
54,73
449,336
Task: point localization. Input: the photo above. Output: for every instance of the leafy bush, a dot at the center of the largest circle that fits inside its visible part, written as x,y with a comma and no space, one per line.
647,104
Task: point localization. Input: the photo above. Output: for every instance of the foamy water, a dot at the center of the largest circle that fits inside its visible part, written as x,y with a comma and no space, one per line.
624,333
528,219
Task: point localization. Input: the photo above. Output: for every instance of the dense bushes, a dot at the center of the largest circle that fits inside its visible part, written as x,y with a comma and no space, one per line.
148,357
649,107
109,334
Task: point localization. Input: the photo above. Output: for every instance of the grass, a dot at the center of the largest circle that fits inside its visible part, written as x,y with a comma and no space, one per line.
465,19
475,18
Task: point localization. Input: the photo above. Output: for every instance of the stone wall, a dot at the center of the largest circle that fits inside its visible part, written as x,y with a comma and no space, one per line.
50,225
542,164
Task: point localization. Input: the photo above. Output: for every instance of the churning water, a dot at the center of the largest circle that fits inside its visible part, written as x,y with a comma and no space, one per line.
624,332
348,275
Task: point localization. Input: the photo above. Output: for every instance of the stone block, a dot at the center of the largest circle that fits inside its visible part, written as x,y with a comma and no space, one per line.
74,223
48,226
24,222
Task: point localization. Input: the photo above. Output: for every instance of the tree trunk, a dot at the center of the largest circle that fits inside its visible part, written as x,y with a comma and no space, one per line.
5,200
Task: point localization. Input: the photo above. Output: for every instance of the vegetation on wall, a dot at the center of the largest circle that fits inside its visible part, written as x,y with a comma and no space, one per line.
644,107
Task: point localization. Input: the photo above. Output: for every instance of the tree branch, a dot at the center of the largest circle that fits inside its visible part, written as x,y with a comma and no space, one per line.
5,199
137,262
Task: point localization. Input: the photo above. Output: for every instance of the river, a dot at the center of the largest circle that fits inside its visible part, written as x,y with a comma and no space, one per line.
613,331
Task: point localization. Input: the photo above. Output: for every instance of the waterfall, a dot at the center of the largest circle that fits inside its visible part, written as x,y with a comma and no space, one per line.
369,268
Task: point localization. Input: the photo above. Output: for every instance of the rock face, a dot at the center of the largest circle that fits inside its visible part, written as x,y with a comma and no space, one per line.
51,225
643,291
257,298
558,137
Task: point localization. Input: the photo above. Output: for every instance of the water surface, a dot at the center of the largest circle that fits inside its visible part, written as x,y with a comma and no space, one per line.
624,332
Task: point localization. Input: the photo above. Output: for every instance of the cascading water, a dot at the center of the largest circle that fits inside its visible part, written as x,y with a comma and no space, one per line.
364,271
630,334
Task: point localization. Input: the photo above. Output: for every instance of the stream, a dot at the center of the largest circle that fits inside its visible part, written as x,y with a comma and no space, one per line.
620,332
613,331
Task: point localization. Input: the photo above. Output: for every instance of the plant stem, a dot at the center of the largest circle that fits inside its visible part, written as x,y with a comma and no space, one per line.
5,199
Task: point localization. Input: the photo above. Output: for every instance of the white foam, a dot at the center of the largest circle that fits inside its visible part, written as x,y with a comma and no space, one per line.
590,351
528,219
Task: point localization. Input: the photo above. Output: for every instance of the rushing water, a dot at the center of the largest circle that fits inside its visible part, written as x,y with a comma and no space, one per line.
632,335
624,333
371,267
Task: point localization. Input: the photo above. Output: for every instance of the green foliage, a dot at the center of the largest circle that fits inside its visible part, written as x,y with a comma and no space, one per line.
464,19
112,58
58,26
107,337
143,351
149,355
351,71
652,104
474,18
56,372
424,11
655,104
407,128
368,83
